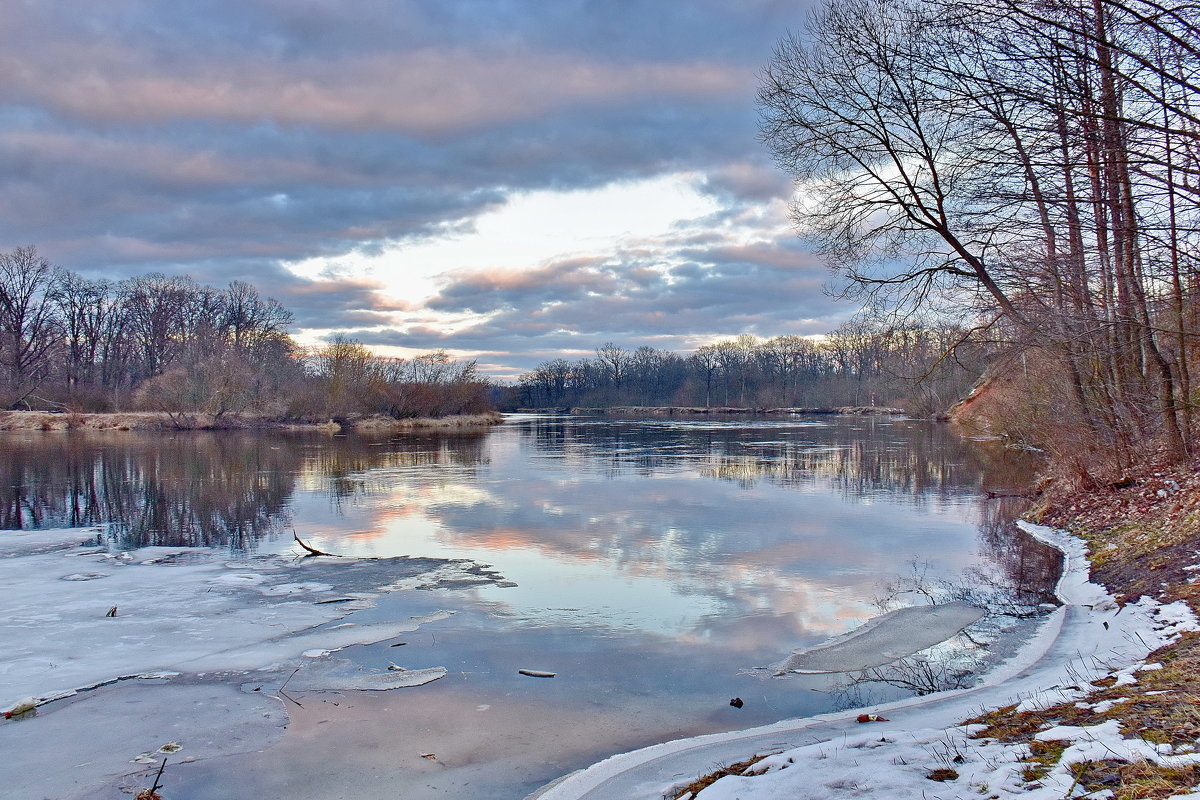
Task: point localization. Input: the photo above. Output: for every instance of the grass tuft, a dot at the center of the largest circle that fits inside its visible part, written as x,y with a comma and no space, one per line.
705,781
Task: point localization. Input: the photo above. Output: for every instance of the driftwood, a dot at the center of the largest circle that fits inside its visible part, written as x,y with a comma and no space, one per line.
311,551
536,673
285,683
152,792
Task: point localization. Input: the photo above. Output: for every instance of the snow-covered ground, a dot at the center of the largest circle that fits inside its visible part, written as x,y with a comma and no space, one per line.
834,756
163,622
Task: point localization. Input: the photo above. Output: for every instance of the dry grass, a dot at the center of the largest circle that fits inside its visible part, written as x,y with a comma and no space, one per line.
160,421
708,780
1162,708
390,425
943,774
45,421
1141,533
1142,536
1043,756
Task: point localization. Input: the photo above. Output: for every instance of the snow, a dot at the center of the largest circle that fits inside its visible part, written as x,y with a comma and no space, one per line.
370,681
833,756
182,616
17,543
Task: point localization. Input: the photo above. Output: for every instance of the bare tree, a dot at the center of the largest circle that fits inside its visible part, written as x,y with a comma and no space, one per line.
85,308
28,323
1020,162
706,363
615,361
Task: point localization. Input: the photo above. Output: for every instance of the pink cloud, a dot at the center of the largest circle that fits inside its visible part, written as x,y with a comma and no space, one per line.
574,273
160,162
421,92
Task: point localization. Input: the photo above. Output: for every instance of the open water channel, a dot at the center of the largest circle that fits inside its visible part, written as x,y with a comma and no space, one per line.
651,565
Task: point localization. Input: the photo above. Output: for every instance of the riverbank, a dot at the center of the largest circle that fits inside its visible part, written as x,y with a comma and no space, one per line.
1102,703
1065,688
167,421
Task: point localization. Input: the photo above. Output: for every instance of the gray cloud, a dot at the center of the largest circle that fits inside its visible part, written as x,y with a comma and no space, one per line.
222,139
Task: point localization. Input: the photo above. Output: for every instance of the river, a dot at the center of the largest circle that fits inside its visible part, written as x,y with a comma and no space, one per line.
654,566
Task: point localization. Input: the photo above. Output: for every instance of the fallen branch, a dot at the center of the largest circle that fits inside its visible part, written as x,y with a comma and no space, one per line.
285,683
152,792
312,551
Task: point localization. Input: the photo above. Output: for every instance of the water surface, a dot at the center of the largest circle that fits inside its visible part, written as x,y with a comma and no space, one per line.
650,564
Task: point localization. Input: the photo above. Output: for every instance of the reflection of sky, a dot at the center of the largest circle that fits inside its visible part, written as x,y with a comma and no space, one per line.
654,563
666,527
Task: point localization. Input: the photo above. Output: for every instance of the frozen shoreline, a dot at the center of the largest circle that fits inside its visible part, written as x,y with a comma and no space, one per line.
831,754
189,626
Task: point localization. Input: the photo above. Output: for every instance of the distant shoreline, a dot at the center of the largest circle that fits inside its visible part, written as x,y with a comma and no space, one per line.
681,411
188,421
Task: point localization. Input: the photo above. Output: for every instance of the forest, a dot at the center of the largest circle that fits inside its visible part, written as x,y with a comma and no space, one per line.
159,343
1032,169
169,344
922,369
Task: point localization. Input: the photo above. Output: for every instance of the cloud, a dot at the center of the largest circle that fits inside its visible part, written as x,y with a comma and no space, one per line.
424,93
229,140
642,295
749,180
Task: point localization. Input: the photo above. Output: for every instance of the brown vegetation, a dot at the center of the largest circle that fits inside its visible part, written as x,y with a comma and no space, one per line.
740,768
198,354
1143,534
163,421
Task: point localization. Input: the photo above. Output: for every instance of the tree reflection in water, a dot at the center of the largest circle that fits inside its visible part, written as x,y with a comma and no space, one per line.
202,489
227,489
235,489
870,455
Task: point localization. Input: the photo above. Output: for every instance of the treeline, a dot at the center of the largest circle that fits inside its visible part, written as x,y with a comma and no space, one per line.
1035,164
170,344
922,369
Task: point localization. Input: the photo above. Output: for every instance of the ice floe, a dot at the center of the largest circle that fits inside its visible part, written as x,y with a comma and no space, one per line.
75,616
884,639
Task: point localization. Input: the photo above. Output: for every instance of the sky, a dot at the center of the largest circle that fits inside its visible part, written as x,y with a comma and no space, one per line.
509,180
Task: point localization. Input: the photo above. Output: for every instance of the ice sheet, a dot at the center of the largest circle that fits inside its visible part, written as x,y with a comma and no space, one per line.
178,609
885,639
66,753
183,616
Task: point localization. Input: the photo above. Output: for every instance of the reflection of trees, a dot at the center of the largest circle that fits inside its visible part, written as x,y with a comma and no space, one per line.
859,457
195,490
616,449
200,489
913,462
352,466
1029,567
